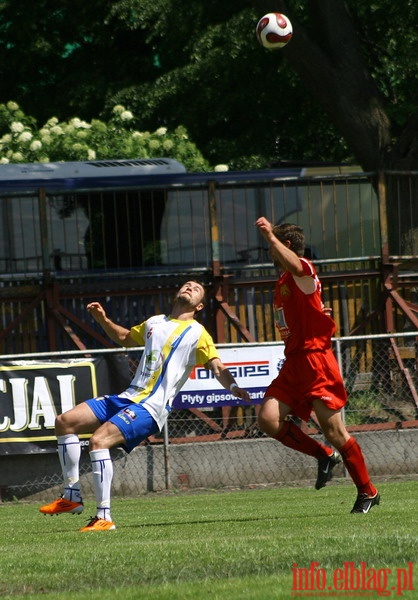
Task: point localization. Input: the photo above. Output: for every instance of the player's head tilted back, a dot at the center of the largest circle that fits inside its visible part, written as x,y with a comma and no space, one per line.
288,232
193,294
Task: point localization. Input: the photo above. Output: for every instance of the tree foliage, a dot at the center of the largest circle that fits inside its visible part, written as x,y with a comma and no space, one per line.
77,140
343,89
63,58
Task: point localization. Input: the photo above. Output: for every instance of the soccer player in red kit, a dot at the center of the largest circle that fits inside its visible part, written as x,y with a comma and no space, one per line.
310,378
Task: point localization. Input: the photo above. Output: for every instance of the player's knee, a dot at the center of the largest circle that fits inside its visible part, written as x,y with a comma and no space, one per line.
96,442
336,435
62,425
103,439
268,422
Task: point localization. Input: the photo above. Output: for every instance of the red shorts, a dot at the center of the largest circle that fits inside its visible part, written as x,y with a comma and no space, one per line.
309,376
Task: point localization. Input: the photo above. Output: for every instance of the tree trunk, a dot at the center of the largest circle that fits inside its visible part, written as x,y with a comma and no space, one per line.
329,62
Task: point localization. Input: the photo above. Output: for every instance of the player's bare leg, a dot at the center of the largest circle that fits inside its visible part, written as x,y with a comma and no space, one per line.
271,416
80,419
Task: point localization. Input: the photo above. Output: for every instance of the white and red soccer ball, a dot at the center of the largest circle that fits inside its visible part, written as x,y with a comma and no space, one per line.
274,31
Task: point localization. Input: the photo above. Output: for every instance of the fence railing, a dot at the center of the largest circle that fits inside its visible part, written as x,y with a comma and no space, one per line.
207,218
60,250
40,317
164,226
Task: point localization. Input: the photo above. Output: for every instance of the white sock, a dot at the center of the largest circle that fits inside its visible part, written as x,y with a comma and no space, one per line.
102,467
69,452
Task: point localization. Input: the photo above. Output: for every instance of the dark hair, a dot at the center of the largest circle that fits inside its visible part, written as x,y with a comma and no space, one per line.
292,233
204,298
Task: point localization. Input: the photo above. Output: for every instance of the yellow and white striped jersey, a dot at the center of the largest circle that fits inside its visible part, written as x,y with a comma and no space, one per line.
171,349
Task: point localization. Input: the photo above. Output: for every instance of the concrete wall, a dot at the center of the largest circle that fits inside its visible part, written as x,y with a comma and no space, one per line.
205,465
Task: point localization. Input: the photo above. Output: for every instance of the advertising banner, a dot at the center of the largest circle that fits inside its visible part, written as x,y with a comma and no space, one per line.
254,367
33,393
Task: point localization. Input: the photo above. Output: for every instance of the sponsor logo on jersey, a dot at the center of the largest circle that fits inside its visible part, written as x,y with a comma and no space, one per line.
153,361
284,291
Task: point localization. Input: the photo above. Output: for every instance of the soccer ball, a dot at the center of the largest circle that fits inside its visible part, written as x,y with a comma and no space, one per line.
274,30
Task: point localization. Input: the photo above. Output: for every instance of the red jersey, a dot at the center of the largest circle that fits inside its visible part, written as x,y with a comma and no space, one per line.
298,311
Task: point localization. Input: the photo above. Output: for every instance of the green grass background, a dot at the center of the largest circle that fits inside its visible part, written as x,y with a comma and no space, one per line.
215,545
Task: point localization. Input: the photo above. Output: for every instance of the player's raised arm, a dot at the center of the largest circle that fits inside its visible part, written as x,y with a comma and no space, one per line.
118,334
280,251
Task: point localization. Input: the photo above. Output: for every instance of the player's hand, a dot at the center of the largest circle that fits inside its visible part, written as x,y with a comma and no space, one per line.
241,393
97,311
265,227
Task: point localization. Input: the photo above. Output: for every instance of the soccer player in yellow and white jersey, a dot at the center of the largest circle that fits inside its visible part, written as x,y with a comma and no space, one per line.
173,345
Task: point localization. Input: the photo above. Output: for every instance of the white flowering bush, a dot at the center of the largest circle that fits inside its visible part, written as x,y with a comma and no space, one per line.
22,141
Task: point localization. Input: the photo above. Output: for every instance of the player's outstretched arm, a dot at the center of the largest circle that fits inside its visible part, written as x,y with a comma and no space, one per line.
225,378
118,334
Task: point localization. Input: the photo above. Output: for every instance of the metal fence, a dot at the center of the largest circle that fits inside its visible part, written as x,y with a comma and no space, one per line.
223,447
171,226
400,207
62,249
38,318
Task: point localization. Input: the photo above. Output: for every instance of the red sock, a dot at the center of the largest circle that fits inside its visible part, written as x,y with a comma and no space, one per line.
293,437
355,464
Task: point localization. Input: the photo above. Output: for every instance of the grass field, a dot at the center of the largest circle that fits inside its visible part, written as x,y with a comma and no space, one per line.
215,545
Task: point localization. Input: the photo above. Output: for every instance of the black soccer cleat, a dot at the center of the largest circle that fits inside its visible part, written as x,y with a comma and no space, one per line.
325,468
364,503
